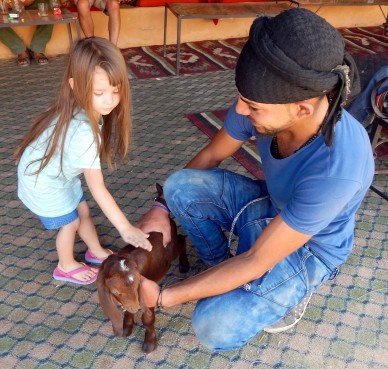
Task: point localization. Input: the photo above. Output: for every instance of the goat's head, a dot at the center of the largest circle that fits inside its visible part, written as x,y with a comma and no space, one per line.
122,280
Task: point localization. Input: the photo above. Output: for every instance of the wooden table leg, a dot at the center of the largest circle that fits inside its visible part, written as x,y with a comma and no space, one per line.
178,45
165,30
78,28
68,25
385,25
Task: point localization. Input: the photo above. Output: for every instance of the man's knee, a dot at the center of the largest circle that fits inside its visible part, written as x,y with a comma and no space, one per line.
177,185
174,181
190,183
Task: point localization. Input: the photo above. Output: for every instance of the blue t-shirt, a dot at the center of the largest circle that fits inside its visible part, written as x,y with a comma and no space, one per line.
318,189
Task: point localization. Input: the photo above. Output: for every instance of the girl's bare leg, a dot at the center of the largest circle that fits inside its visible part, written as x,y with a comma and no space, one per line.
65,248
88,233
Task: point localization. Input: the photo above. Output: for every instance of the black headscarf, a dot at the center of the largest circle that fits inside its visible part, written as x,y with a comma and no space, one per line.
295,56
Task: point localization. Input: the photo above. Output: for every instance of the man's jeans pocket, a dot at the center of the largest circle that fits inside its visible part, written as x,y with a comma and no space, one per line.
289,281
316,272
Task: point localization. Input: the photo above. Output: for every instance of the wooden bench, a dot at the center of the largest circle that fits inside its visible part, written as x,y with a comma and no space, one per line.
218,11
32,18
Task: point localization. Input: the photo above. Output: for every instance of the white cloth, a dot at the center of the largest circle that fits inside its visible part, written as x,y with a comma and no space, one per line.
53,192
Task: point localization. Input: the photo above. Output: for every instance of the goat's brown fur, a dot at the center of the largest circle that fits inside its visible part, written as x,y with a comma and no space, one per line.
119,282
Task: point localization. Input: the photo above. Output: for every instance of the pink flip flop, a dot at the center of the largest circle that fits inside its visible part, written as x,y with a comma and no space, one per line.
90,258
60,275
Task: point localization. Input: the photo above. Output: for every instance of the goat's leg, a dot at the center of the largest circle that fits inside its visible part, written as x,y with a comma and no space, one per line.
148,319
127,324
184,264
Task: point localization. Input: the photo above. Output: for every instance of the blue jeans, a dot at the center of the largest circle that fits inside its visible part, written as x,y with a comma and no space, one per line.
205,202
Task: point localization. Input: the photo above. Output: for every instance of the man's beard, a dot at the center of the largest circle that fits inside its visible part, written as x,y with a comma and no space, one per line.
268,132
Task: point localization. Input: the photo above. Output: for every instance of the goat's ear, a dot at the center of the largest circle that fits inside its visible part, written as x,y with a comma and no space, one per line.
159,189
104,297
109,307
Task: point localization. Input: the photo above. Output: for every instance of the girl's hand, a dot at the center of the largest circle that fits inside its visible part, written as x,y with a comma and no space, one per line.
150,291
136,238
156,220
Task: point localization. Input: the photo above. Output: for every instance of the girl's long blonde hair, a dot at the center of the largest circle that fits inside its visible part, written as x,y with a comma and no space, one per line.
113,139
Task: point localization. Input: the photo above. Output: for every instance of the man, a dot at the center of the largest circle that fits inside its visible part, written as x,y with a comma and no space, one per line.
38,43
295,228
109,7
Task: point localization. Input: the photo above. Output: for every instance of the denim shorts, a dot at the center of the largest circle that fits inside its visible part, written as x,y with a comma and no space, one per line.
62,220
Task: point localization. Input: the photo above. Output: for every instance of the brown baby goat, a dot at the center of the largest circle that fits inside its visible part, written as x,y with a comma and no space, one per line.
119,282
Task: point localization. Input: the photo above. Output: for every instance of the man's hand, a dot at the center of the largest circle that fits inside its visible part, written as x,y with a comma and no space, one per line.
156,220
150,292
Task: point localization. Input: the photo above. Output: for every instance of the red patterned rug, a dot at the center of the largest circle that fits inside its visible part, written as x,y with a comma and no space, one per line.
210,56
210,122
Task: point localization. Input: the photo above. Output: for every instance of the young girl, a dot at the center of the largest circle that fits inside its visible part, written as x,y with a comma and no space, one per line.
89,122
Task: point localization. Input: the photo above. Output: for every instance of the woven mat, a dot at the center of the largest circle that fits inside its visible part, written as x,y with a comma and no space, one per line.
47,324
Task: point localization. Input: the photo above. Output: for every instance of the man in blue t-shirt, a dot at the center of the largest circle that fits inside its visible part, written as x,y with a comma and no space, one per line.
296,227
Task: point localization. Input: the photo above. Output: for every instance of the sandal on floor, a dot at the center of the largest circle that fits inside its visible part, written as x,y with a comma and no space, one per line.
90,258
23,59
60,275
39,58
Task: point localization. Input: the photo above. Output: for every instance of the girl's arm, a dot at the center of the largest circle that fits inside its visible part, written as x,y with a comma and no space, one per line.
108,205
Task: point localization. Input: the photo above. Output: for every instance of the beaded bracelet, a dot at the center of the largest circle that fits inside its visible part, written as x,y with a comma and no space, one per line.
159,205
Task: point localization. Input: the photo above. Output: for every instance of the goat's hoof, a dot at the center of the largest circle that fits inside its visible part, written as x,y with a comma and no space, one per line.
184,268
127,331
148,347
118,332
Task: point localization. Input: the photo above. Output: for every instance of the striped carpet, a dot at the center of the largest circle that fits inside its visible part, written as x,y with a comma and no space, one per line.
210,122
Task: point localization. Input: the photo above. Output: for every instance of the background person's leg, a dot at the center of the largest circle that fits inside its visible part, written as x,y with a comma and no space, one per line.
114,23
10,39
85,17
42,36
